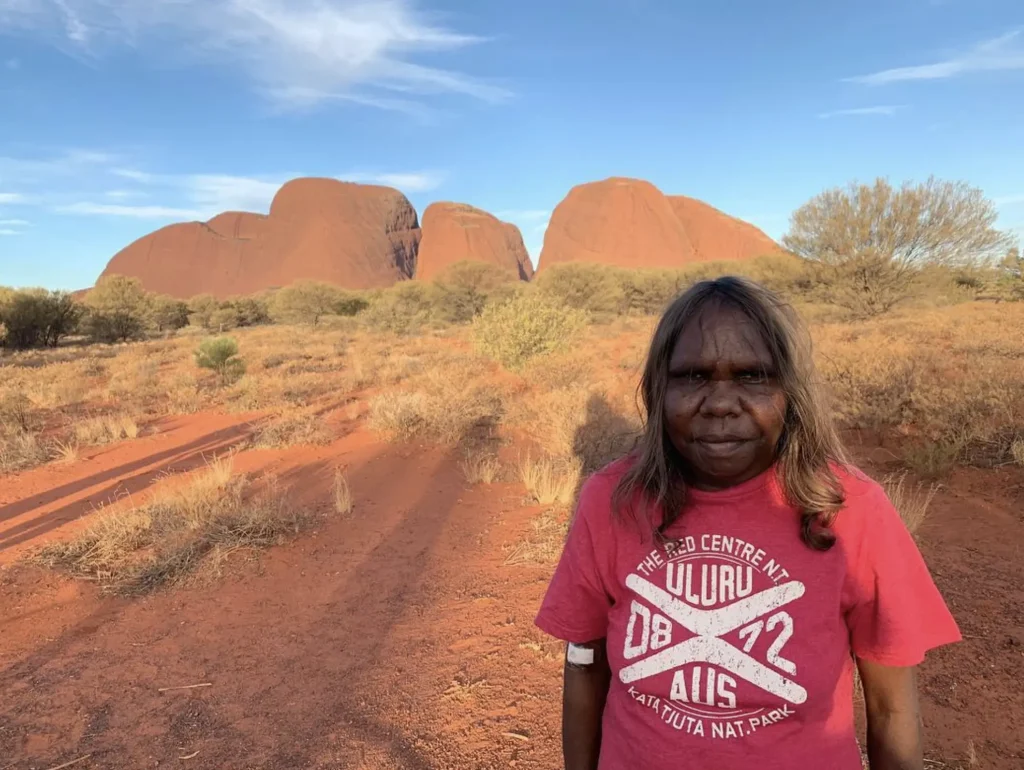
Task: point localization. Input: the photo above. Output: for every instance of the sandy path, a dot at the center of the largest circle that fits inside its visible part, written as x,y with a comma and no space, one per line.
397,638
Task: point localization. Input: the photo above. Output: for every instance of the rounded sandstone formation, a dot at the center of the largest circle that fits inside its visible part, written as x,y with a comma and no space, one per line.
352,235
630,223
456,232
718,237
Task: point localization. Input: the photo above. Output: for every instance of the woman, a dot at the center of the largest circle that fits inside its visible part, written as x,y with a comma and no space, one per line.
719,584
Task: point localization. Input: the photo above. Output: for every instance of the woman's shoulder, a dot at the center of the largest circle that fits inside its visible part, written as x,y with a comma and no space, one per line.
866,501
597,492
857,485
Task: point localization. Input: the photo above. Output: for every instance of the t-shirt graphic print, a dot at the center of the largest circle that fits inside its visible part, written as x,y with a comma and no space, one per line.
707,617
731,644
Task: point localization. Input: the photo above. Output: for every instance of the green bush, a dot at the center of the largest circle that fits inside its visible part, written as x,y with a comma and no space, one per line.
594,288
307,302
201,309
37,317
401,309
119,309
251,311
169,314
221,356
465,288
525,326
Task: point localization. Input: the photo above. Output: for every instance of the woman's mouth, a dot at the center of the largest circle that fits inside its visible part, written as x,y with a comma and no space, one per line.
721,447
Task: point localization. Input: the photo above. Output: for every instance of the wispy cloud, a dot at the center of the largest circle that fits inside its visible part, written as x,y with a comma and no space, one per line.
135,212
214,193
132,174
296,52
408,182
881,109
123,195
14,223
999,54
13,198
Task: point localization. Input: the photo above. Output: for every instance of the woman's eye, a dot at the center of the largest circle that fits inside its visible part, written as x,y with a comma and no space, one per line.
752,378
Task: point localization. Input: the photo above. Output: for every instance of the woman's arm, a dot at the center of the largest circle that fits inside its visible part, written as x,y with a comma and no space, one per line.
583,697
894,722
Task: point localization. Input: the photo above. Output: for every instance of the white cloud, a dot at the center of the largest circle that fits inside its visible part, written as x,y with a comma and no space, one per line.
215,193
12,198
135,212
882,109
122,195
297,52
14,223
10,232
133,174
1001,53
407,182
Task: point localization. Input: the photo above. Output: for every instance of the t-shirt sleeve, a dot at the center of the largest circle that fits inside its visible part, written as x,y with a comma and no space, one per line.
897,613
575,607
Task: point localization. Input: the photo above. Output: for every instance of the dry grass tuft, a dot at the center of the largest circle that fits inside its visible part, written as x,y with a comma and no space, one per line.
65,452
292,430
105,430
140,549
342,493
551,480
543,545
480,467
447,410
1017,451
19,451
911,500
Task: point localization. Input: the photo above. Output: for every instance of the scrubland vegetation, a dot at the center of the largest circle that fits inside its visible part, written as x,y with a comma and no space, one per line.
542,375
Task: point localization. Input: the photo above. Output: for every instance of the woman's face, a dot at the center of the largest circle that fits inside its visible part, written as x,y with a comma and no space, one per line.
724,408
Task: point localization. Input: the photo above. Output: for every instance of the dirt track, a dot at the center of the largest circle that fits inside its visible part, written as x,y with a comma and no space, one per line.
396,637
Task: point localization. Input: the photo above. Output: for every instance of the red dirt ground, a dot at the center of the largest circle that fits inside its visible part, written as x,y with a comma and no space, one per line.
394,637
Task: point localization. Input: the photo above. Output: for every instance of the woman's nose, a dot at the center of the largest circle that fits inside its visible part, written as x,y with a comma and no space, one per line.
721,400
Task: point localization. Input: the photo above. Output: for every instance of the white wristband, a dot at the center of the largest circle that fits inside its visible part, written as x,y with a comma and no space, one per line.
580,656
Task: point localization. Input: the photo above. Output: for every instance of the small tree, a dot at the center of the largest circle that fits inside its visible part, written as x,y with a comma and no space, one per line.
221,356
201,309
465,288
1011,270
525,326
307,302
870,240
169,314
63,315
590,287
251,311
224,318
118,309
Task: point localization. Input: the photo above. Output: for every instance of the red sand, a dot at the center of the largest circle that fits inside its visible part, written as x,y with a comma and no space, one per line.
395,637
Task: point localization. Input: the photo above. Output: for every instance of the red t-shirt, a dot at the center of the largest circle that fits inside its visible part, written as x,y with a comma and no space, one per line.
733,647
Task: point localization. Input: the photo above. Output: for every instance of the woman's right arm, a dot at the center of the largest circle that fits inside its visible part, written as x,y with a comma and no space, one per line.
583,697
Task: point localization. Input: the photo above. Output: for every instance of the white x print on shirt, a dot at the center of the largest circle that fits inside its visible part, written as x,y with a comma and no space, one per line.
707,646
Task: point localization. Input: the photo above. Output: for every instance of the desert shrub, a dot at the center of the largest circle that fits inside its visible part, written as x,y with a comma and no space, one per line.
308,302
140,549
290,430
405,308
594,288
465,288
37,317
221,356
544,543
169,314
201,309
119,309
526,326
480,466
19,451
104,430
224,318
446,410
342,493
251,311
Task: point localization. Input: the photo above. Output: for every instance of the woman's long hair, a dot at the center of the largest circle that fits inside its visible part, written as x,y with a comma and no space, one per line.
808,450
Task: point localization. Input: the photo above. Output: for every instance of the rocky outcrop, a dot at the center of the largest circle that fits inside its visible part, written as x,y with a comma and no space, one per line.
352,235
630,223
456,232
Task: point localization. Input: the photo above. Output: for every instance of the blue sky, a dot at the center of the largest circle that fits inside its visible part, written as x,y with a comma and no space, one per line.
120,116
